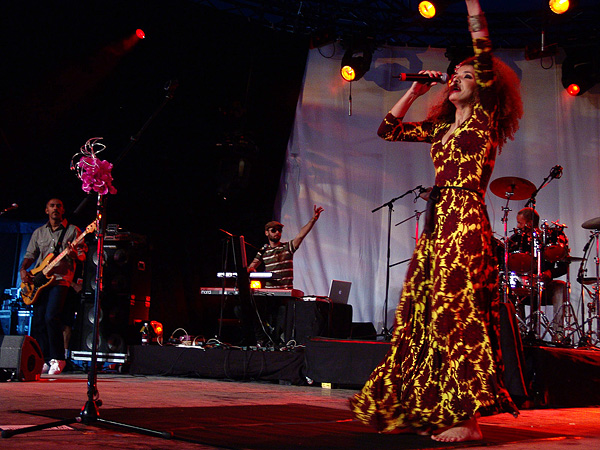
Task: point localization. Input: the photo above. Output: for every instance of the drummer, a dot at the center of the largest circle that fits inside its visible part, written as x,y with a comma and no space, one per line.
555,291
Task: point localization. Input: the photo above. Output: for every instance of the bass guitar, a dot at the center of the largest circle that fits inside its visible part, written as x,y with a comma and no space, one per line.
42,274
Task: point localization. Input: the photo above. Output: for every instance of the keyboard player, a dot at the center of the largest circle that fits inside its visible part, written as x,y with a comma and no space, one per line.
277,256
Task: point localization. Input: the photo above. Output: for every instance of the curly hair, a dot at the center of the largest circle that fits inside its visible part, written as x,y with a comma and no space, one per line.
507,86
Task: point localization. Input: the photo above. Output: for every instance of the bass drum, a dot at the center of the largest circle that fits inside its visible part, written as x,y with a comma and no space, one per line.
519,253
556,244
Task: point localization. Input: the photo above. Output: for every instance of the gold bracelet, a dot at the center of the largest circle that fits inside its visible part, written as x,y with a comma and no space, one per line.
477,23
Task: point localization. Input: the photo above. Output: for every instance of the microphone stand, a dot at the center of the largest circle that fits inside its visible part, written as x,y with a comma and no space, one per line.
170,87
226,242
385,332
535,330
89,414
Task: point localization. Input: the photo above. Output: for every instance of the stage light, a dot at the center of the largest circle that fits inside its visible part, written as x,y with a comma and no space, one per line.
255,284
152,332
356,62
559,6
427,9
140,33
430,8
157,328
580,70
573,89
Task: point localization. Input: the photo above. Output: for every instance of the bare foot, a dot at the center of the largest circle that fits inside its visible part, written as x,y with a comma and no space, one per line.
464,431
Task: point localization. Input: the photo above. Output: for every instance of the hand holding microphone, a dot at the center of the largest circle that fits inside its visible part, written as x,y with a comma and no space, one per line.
423,80
426,77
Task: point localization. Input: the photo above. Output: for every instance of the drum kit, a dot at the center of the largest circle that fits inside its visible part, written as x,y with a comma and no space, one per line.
524,258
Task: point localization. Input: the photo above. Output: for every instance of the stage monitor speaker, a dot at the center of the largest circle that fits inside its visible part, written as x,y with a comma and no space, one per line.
22,356
306,319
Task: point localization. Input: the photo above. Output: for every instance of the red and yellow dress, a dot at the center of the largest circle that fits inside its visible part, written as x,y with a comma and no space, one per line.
444,365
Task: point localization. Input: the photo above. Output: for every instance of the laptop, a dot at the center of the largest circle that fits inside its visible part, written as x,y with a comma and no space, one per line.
339,291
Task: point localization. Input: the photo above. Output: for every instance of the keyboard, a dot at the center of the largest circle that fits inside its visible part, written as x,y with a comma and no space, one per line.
274,292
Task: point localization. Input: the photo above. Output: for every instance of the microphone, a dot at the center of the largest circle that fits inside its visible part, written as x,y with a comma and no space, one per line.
422,77
556,172
11,207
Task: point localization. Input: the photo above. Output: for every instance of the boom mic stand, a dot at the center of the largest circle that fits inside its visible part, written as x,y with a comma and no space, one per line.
385,332
89,413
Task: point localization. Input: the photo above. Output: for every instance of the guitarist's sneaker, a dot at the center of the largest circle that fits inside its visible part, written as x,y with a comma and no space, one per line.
45,368
56,366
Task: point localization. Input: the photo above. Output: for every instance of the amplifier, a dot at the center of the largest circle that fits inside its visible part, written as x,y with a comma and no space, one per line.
15,322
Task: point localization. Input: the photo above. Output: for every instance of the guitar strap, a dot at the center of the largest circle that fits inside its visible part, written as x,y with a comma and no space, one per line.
60,239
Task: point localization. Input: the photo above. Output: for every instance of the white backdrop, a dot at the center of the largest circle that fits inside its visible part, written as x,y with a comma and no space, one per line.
336,160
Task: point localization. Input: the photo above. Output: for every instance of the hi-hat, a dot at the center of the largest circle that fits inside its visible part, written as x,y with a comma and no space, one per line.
592,224
512,188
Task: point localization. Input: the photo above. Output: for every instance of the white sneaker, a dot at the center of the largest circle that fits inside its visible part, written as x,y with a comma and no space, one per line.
56,366
45,368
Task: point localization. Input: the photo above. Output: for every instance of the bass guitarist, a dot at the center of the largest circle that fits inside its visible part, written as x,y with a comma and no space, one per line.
46,324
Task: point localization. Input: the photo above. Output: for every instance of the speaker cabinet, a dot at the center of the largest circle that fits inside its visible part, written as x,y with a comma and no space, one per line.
126,267
125,297
22,356
306,319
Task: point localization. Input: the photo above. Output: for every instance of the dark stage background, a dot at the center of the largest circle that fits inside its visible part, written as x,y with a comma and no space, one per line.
210,159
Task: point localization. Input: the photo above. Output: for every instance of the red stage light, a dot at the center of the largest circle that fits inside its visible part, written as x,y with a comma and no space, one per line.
140,33
573,89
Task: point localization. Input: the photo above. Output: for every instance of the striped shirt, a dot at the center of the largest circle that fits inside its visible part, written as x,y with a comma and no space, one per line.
280,262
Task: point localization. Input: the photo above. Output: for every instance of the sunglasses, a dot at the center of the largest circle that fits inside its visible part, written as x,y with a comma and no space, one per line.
274,230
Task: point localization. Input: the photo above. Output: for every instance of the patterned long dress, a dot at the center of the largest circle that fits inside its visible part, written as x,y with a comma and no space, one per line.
444,365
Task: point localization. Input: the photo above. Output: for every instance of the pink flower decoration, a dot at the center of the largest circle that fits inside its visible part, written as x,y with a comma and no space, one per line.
96,175
93,172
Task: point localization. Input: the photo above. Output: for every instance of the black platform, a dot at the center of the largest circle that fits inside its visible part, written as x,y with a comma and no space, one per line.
555,377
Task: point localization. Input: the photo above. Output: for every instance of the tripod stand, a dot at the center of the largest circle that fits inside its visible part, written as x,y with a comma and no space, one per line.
587,338
89,413
386,332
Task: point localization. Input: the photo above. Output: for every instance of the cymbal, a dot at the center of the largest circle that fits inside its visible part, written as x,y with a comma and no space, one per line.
512,188
592,224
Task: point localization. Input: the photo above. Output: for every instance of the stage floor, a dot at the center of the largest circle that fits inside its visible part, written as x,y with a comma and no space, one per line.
214,414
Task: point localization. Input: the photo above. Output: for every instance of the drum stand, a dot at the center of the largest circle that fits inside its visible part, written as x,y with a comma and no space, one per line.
590,338
566,319
504,282
537,318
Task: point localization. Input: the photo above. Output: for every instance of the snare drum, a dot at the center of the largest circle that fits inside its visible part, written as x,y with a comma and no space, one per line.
519,252
556,244
521,285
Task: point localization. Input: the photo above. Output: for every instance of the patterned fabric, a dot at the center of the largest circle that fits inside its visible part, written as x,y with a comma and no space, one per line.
280,262
444,364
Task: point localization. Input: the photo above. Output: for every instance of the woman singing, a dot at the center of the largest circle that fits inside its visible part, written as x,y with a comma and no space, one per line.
444,367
